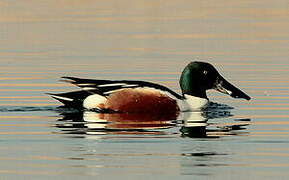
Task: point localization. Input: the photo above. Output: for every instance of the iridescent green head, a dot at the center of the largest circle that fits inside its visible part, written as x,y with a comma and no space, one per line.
198,77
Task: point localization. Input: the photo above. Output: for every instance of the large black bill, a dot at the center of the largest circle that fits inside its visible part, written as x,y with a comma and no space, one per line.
225,87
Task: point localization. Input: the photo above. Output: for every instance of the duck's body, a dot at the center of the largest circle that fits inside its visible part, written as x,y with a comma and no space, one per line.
128,96
143,97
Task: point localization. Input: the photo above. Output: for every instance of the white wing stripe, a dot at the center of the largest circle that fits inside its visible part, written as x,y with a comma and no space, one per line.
85,84
109,92
130,85
114,84
88,88
63,98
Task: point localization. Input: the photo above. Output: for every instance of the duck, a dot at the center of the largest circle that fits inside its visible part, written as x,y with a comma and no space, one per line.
133,96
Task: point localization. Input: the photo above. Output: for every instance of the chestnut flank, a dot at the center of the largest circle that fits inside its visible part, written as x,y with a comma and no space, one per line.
140,100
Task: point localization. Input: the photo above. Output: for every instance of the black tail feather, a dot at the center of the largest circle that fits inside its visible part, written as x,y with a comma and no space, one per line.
71,99
75,80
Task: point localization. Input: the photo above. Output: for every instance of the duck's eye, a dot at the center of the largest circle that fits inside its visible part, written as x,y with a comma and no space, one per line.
205,72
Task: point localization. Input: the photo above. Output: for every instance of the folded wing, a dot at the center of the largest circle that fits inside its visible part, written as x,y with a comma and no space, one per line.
107,87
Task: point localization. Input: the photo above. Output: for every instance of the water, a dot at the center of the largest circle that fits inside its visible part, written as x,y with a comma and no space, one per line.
40,41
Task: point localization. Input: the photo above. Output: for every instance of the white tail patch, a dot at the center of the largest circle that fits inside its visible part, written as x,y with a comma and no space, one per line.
94,101
63,98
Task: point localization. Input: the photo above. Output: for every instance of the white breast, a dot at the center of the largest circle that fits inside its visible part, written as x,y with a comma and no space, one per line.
192,103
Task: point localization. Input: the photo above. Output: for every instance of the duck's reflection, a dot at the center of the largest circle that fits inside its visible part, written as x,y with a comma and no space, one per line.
189,124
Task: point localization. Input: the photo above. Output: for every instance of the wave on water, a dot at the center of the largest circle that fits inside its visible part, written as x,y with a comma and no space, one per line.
190,124
27,108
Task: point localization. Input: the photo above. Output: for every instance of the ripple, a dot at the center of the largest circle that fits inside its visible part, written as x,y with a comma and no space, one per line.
26,108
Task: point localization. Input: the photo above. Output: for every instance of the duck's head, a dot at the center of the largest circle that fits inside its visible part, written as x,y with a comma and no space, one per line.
197,77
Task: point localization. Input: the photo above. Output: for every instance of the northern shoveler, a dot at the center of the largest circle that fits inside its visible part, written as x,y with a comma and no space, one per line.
142,96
